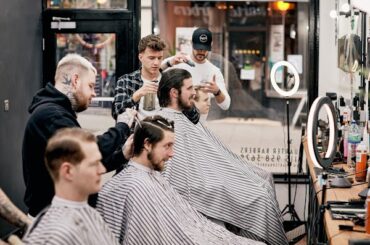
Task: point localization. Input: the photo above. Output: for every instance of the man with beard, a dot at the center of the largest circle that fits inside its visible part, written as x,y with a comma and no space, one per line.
138,89
141,207
204,73
73,160
54,107
214,180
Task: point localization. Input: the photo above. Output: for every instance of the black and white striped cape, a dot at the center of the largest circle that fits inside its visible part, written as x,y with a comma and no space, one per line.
220,184
141,207
67,223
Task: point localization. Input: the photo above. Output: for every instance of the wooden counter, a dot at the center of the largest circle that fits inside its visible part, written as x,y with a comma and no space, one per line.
334,235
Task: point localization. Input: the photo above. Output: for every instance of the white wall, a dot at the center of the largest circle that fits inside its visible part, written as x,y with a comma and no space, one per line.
331,78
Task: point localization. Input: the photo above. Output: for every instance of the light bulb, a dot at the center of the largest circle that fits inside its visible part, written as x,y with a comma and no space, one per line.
283,6
333,14
345,8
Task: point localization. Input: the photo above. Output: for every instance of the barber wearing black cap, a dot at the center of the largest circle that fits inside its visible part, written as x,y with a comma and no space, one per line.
204,73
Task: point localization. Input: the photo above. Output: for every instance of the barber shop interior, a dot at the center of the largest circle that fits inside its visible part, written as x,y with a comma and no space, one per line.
185,122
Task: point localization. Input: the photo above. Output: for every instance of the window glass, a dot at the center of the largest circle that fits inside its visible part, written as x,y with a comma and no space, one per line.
100,50
249,37
87,4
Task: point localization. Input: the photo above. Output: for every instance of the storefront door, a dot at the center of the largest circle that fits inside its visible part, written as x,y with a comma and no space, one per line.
105,37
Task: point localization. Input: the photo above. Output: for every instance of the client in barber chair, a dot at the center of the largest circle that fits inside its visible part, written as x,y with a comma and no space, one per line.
214,180
73,160
141,207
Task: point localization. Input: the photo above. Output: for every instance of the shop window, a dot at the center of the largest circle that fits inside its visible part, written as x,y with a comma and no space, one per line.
100,50
87,4
249,37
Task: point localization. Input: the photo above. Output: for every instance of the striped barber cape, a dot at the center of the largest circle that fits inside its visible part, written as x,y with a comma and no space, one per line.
69,223
220,184
141,207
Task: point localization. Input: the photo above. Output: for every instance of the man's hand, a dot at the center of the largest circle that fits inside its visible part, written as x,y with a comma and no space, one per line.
211,86
145,89
128,147
14,240
127,117
178,58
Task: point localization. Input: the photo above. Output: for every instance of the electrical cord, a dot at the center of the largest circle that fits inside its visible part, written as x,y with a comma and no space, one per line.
313,212
296,187
311,216
329,188
304,208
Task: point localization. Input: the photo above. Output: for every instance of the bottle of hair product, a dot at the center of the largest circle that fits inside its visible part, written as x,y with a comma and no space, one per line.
345,142
150,100
347,114
361,160
354,138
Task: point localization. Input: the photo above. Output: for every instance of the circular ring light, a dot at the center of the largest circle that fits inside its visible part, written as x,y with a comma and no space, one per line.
312,132
273,79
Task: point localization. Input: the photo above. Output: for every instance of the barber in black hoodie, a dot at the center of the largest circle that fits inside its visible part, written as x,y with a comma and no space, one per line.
55,107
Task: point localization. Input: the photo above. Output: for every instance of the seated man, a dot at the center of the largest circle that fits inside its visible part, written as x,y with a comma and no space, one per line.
73,160
214,180
142,208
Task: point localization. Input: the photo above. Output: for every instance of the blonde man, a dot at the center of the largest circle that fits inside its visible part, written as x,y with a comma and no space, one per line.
55,107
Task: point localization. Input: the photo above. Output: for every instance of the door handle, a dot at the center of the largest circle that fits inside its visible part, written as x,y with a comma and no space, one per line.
61,18
62,23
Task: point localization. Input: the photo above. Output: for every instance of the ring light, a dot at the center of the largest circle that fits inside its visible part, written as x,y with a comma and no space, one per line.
273,79
312,132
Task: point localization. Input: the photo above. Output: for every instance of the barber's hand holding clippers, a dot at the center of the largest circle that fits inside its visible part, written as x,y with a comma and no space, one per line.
127,117
181,58
130,117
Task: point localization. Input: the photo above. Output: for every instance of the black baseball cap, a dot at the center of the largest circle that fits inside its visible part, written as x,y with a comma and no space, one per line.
202,39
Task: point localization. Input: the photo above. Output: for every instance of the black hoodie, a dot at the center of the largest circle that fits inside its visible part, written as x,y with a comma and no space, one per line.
51,110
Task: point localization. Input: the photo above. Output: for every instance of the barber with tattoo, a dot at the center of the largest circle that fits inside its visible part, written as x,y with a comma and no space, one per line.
55,107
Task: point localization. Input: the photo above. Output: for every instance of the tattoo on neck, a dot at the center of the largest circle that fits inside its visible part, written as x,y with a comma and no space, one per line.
72,98
67,90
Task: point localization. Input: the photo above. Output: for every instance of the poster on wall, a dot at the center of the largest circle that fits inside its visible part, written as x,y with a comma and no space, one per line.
183,39
276,48
296,60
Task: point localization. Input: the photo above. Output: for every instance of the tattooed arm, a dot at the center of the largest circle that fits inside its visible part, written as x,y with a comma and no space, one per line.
3,243
11,213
